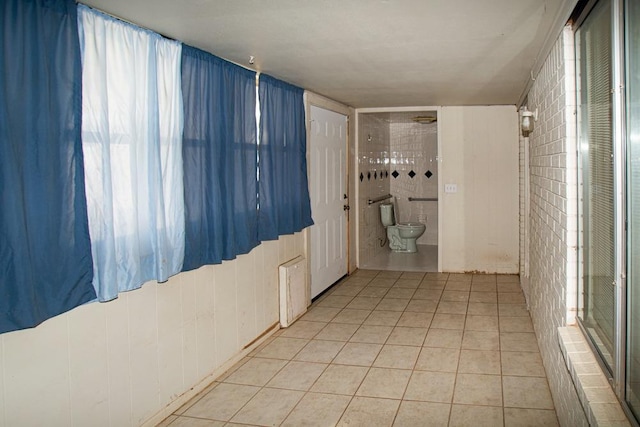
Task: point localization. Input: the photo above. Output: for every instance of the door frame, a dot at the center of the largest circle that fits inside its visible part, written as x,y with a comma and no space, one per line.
313,99
440,166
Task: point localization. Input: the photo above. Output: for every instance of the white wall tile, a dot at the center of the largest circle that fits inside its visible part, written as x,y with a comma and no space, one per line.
246,298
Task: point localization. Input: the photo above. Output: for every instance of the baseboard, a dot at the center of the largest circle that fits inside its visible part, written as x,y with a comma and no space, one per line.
206,381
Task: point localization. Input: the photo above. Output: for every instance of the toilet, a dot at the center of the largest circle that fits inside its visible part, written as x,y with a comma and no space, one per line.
402,236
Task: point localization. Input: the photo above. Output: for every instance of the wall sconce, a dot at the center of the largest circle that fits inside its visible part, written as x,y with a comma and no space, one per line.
527,119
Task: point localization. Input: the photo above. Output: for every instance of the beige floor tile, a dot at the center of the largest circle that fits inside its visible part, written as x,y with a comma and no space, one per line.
443,338
488,297
222,402
349,315
359,354
526,392
373,292
320,314
372,334
317,410
460,277
436,276
421,306
382,282
337,332
384,383
513,310
509,287
347,290
402,293
524,364
448,321
475,416
390,274
383,318
283,348
428,294
397,356
412,275
340,379
479,362
482,309
450,307
256,372
303,329
320,351
420,414
438,359
392,304
369,411
455,296
297,376
517,417
484,287
413,319
432,285
476,389
484,278
195,422
407,283
356,280
481,323
366,273
407,336
515,324
269,407
511,298
518,341
431,386
457,286
336,301
481,340
199,396
364,303
508,278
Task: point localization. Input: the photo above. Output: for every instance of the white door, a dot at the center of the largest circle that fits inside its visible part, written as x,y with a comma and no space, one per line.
328,145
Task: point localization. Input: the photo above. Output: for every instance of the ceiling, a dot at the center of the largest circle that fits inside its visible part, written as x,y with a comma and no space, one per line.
370,53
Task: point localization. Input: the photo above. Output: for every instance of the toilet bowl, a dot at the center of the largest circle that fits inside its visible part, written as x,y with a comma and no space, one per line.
403,235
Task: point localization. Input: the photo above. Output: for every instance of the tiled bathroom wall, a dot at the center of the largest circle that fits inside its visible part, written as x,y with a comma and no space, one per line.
374,179
414,171
397,156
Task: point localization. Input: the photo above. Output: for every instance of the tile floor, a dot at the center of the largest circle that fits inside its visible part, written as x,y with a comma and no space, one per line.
385,348
426,259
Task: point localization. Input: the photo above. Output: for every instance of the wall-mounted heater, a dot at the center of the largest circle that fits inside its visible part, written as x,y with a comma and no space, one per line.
293,290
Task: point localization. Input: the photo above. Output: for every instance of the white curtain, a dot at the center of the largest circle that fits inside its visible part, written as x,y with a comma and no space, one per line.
132,120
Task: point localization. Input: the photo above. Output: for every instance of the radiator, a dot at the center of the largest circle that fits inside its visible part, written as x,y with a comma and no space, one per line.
293,290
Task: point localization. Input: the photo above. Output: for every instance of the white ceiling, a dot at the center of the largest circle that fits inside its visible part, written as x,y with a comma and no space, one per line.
369,53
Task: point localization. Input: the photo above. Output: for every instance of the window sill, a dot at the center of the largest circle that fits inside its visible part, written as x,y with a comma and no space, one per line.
599,402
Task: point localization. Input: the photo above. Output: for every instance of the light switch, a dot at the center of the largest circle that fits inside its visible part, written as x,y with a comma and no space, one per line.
451,188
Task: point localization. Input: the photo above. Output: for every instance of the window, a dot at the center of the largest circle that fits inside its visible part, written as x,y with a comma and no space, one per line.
608,67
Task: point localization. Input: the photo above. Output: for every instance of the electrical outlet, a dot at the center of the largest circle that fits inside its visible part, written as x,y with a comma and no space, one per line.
450,188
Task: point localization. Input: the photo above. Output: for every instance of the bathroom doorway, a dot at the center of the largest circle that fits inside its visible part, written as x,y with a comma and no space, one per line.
398,163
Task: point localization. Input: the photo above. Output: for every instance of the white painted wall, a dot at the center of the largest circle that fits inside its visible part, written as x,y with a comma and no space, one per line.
479,152
552,286
123,362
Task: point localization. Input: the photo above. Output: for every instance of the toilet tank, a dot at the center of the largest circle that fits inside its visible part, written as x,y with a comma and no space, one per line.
386,214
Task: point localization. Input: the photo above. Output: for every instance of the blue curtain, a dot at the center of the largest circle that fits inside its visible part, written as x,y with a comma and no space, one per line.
220,159
132,142
45,254
283,189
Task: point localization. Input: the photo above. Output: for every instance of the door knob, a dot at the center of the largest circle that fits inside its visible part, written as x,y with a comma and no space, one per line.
346,207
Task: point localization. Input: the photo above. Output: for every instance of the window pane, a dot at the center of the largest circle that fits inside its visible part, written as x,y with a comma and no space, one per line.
633,204
596,145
